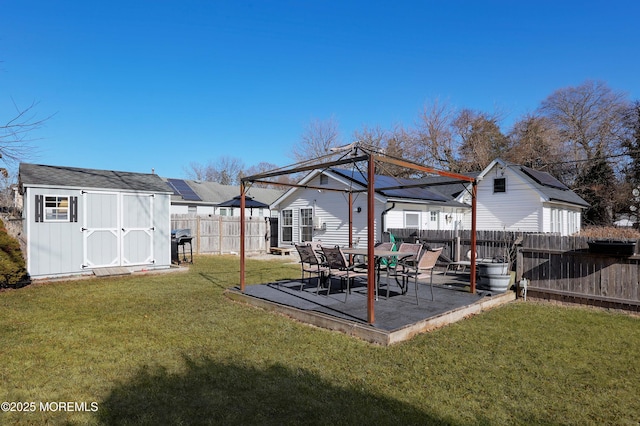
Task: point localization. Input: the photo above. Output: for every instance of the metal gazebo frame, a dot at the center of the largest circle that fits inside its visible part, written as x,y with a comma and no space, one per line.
357,153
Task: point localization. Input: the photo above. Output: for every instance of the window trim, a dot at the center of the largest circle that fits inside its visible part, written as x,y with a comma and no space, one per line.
306,223
412,213
284,225
49,212
503,186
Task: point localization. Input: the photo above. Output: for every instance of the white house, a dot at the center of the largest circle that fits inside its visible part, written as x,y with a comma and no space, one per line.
312,214
203,198
77,220
517,198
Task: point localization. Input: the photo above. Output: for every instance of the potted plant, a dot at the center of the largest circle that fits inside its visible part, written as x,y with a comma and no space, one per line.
496,276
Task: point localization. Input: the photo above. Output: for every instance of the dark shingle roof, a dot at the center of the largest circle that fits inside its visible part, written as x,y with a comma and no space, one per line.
60,177
215,193
547,185
429,192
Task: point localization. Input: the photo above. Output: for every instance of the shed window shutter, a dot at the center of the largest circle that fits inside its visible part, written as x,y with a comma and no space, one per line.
73,209
39,208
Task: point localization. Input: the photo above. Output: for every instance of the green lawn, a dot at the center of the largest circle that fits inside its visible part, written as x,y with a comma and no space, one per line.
171,349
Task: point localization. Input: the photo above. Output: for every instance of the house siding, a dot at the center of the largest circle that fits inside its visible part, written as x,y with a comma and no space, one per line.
331,208
519,208
395,218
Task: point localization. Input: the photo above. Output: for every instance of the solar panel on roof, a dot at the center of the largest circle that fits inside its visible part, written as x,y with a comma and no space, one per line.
543,178
180,187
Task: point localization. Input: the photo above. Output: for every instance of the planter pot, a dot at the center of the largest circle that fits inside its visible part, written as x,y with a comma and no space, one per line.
494,277
498,268
612,247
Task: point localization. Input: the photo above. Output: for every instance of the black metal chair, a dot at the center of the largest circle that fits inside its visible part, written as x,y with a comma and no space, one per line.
311,265
339,268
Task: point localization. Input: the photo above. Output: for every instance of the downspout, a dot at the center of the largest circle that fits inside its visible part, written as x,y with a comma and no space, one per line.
382,216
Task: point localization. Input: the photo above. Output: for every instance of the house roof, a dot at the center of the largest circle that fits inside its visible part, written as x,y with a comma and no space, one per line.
387,186
547,185
60,176
215,193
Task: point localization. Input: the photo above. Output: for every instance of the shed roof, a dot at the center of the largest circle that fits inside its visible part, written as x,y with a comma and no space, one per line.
63,177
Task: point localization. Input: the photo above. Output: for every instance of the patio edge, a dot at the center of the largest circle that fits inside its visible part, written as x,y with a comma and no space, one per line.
367,332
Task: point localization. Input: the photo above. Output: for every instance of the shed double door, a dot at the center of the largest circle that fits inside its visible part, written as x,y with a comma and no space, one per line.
117,229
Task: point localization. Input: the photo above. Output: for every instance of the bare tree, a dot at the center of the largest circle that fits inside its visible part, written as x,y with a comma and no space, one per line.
316,140
16,142
432,142
536,142
225,170
481,140
392,142
265,167
590,118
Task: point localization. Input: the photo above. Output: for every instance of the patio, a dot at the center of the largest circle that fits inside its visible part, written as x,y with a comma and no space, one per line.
397,319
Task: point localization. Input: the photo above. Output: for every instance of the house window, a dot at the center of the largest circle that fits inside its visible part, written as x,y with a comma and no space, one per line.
324,179
192,210
224,211
434,216
556,223
287,226
500,185
412,220
56,209
306,224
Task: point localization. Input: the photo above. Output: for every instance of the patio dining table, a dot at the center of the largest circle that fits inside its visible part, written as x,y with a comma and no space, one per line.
378,253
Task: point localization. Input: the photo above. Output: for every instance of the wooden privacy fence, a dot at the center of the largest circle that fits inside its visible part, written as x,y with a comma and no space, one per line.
558,268
221,234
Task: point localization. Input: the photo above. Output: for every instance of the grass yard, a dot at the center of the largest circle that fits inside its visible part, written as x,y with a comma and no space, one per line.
171,349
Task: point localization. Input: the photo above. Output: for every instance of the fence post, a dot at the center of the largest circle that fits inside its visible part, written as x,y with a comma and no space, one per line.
220,234
519,263
198,236
456,254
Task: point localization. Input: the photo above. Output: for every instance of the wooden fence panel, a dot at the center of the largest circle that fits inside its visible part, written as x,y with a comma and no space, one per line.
552,264
221,234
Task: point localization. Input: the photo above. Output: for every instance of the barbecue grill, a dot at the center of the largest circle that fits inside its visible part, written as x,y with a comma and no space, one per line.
180,238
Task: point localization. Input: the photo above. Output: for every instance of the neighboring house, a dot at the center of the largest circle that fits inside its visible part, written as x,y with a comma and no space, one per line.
307,214
77,220
203,198
517,198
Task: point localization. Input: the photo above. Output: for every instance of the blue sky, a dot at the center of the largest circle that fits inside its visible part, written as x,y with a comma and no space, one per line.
138,84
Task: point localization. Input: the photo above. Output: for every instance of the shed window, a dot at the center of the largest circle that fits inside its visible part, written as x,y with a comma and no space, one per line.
499,185
56,209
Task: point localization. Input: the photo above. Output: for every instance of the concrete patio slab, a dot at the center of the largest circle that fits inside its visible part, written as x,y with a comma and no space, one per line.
397,318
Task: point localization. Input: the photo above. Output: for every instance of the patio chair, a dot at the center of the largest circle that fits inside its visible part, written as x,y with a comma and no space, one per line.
310,264
464,264
422,270
408,254
339,268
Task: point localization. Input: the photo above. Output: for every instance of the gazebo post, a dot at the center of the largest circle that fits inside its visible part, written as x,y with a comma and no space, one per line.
242,219
350,219
474,193
371,275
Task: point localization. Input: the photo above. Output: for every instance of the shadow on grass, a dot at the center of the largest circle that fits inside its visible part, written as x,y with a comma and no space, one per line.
209,392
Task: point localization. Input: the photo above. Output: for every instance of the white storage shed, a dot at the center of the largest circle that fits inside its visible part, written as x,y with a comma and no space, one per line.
77,220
